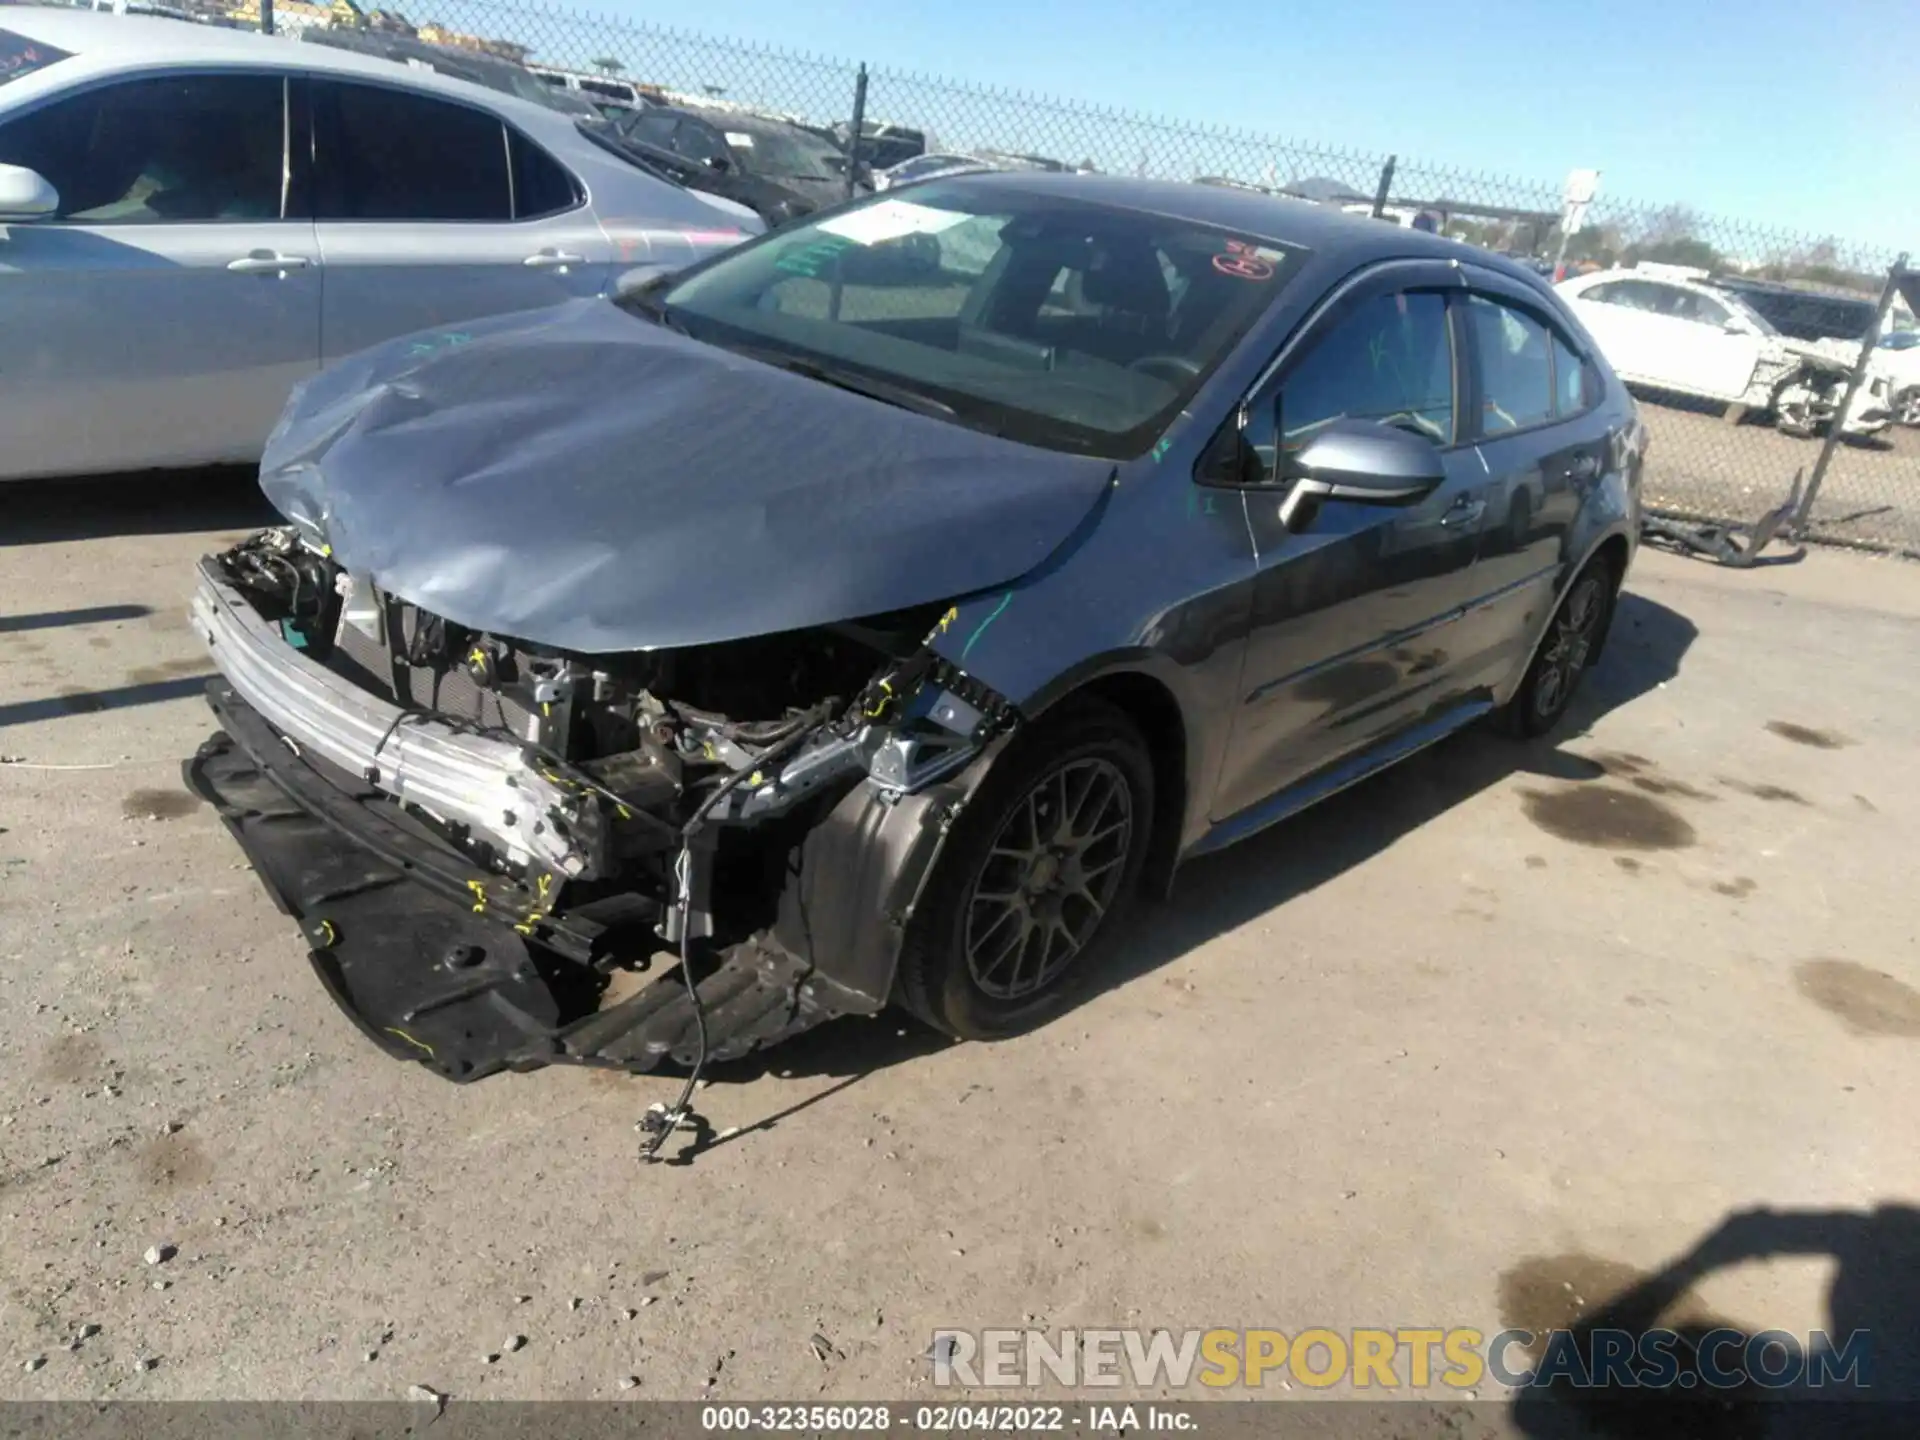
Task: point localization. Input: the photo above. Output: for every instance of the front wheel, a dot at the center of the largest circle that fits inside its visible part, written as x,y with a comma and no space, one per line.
1024,901
1572,640
1906,406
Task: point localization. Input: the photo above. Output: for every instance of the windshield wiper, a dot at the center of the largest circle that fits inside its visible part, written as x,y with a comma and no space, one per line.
888,394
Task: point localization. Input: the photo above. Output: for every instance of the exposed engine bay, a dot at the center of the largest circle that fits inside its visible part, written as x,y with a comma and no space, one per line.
597,809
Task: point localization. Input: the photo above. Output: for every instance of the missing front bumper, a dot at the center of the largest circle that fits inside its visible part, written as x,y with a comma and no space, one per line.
431,974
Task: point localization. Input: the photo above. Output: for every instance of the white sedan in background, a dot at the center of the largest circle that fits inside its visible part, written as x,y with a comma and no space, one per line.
1674,334
194,219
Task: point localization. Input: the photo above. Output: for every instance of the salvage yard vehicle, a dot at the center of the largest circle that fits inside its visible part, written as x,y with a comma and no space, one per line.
777,168
1672,332
864,614
193,219
471,65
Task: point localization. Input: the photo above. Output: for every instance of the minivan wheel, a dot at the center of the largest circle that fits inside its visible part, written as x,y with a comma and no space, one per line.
1572,640
1022,905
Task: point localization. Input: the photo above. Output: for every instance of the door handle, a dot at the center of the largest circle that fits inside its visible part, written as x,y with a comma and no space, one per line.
266,262
1467,510
553,260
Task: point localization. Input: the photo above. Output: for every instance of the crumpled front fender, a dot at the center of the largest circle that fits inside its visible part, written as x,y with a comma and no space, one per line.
863,871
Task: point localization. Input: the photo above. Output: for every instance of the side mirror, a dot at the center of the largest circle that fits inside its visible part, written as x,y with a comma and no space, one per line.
1362,462
719,164
1735,325
25,194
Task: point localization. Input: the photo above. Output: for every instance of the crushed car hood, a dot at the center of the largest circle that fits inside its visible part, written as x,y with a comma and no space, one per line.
582,478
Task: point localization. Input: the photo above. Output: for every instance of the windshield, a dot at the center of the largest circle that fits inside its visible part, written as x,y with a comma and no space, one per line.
788,154
1066,324
21,56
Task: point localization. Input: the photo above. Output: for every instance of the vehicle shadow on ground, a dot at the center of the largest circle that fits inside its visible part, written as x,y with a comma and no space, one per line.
151,502
1220,893
1859,1377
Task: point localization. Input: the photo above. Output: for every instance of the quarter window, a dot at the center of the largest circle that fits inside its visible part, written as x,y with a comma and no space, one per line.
193,149
541,185
1516,375
392,155
1574,387
1390,361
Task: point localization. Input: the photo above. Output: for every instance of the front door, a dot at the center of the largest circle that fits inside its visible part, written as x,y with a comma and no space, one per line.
430,212
1352,634
162,314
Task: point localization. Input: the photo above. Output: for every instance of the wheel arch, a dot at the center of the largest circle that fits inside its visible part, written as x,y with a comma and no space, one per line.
1615,548
1152,704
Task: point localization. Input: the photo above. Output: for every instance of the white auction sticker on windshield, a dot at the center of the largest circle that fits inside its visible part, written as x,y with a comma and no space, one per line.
889,220
734,137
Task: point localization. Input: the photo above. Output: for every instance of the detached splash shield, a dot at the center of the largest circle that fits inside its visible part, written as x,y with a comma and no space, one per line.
429,974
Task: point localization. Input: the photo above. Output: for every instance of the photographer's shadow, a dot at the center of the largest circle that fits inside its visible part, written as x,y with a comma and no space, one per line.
1859,1377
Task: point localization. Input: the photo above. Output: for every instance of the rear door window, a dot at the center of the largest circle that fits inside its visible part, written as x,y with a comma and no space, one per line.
386,154
190,149
1516,369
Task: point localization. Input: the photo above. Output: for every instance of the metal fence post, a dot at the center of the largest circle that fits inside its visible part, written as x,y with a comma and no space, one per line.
266,17
1854,381
858,138
1386,184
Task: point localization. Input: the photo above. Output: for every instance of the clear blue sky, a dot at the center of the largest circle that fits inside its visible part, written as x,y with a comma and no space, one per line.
1789,113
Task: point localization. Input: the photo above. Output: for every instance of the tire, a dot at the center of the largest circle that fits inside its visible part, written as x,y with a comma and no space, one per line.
1572,641
964,967
1906,406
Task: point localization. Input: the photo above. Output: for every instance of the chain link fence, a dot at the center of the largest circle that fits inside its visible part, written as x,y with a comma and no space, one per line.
1709,459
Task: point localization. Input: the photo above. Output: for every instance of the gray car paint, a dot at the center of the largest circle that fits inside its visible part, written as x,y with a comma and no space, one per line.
1287,655
1290,662
582,478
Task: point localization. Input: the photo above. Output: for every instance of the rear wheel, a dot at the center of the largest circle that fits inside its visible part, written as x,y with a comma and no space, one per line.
1023,904
1572,640
1906,406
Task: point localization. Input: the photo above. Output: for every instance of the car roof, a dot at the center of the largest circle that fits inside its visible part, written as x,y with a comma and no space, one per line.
102,42
1295,222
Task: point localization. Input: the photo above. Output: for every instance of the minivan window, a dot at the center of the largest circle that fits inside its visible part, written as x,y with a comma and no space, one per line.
1390,361
873,289
193,149
384,154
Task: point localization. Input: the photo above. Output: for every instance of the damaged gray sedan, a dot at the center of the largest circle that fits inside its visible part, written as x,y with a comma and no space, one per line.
863,615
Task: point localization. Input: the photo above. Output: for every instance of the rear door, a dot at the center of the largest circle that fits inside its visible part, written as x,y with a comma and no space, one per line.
1623,316
430,211
1354,635
1721,352
1543,445
163,314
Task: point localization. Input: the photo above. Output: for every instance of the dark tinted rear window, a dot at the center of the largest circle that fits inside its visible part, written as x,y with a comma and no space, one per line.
394,155
21,56
541,185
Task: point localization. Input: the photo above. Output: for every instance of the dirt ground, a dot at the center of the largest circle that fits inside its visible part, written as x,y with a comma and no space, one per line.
1700,463
1477,1043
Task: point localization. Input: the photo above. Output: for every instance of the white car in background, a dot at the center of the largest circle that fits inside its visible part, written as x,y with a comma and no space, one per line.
194,219
1671,333
1897,356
